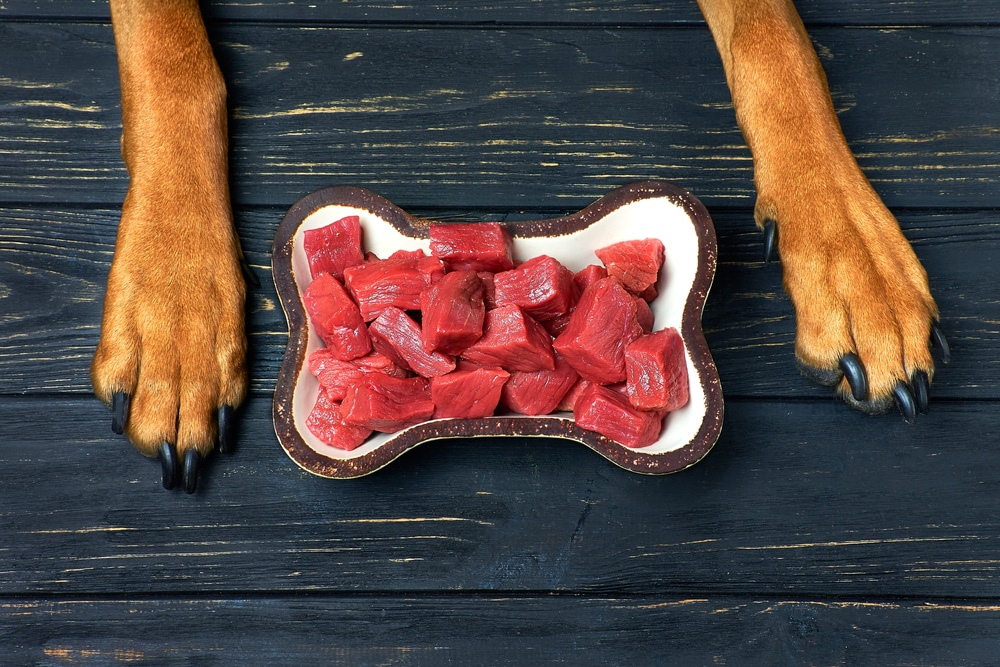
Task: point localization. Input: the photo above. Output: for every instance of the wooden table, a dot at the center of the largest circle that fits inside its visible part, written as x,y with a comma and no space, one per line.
810,535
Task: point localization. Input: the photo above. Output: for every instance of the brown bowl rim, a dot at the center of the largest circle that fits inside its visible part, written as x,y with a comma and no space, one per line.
634,460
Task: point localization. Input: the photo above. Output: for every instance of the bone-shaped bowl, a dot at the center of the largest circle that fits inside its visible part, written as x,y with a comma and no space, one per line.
636,211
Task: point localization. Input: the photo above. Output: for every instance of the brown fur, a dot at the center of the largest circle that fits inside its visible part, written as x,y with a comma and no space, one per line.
173,334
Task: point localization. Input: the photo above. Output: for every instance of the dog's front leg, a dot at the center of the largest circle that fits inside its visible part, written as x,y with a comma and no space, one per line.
171,355
862,302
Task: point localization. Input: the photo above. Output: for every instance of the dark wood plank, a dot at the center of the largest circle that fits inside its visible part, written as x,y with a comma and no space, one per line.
910,12
458,630
54,261
470,120
797,499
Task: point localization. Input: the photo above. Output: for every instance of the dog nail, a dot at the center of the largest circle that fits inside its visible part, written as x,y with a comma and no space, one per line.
248,274
192,460
905,402
921,391
119,412
770,239
226,424
938,340
854,371
168,461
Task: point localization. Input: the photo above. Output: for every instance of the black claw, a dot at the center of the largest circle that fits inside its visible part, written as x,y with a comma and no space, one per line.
248,274
938,340
905,402
922,391
770,239
226,429
854,371
119,412
168,461
192,460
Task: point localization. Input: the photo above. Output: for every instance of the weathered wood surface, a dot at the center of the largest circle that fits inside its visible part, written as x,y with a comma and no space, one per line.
799,498
436,12
53,263
810,535
480,118
421,631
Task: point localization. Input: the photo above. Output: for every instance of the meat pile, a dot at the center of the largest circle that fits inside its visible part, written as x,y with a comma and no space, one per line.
466,332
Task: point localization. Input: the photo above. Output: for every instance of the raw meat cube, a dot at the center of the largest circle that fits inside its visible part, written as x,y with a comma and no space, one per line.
452,312
391,282
541,286
539,392
569,400
589,274
408,254
608,412
604,323
657,371
489,289
398,337
635,263
336,318
325,422
387,404
467,394
481,246
557,325
513,341
335,376
643,313
333,248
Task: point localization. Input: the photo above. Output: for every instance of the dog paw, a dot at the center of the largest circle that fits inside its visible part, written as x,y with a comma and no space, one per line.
171,358
865,316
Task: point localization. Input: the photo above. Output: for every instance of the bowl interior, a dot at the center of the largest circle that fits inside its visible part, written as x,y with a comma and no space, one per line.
665,217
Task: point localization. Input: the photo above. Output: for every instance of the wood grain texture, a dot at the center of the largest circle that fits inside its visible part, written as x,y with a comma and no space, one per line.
53,263
421,630
810,535
899,12
515,117
796,499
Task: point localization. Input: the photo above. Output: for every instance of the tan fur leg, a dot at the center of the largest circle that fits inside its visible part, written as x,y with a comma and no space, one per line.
173,336
856,284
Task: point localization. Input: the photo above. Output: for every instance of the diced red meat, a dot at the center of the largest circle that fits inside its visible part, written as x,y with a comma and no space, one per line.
336,318
397,336
643,313
452,312
489,289
650,293
512,340
391,282
589,274
557,325
467,394
336,376
608,412
635,263
657,371
539,392
325,422
481,246
408,254
541,286
333,248
569,400
604,323
387,404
